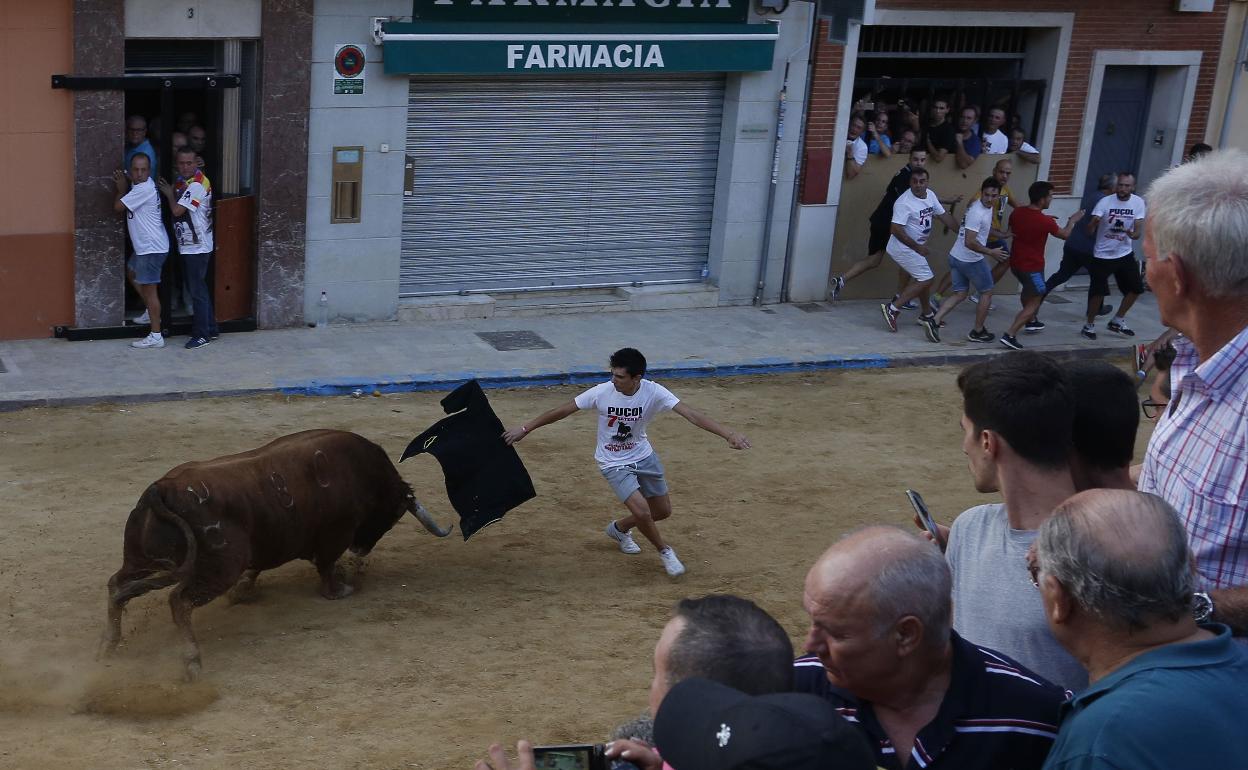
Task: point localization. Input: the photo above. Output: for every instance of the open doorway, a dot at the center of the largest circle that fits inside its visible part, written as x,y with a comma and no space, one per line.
194,104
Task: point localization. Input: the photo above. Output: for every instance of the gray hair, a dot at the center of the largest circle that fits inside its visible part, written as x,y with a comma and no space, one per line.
1106,182
916,582
1199,211
1122,555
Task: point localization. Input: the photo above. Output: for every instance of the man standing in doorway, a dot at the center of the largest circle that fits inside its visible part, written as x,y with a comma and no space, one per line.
190,200
138,200
1117,221
136,142
631,466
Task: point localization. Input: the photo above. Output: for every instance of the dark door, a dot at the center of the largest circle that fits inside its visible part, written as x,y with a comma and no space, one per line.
1117,140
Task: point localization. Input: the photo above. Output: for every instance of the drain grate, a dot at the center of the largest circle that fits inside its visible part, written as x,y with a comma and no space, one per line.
2,369
811,307
516,340
1056,299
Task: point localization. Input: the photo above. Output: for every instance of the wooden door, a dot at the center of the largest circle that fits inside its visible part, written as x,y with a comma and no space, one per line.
234,276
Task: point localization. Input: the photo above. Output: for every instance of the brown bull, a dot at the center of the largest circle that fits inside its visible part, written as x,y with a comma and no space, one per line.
210,526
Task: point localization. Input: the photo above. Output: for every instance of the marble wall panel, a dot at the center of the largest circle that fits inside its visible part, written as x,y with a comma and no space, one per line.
286,49
99,125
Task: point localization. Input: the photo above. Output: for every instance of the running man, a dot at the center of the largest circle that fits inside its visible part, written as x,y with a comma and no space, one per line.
1032,228
625,405
1117,222
968,264
911,225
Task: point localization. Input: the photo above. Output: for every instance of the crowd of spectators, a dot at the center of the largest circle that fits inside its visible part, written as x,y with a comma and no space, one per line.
878,129
1083,621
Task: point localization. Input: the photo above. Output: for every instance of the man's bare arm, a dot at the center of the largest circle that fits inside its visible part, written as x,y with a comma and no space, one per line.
513,435
899,232
1230,606
734,439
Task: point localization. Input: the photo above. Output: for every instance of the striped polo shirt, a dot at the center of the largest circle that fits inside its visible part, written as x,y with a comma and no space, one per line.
996,715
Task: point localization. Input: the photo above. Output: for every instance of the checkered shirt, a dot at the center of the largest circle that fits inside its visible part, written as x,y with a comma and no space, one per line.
1198,457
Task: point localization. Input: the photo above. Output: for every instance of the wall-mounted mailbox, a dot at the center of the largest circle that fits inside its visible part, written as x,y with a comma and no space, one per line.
347,196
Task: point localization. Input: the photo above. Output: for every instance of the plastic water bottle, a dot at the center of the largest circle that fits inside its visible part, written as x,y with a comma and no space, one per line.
706,270
322,311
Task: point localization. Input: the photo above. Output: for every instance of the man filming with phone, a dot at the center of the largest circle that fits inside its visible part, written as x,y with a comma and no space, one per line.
720,637
1017,421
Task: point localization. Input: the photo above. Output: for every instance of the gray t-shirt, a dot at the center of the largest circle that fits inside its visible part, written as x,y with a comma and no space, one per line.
994,602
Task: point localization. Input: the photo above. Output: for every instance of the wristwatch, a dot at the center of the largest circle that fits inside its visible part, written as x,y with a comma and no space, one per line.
1202,607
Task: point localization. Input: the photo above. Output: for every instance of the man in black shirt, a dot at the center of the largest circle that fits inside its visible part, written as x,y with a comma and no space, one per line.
940,138
883,652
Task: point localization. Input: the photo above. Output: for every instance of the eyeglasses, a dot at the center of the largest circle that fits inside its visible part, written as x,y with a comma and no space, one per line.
1033,568
1152,408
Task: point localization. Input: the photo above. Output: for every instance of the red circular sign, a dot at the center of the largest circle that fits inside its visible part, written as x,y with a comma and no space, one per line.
350,61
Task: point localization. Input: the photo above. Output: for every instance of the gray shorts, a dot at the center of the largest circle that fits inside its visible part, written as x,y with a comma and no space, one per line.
645,475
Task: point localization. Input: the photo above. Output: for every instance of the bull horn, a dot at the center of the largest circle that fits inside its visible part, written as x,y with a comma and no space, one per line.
426,518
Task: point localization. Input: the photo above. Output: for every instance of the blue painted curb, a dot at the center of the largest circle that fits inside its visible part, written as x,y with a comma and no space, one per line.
500,379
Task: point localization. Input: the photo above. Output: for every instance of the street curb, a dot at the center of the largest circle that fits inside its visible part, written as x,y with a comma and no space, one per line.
445,381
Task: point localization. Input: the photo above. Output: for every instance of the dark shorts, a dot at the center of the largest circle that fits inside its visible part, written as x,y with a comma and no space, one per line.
1126,273
1032,284
879,237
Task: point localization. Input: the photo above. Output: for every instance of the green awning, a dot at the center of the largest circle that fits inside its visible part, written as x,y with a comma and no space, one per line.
559,48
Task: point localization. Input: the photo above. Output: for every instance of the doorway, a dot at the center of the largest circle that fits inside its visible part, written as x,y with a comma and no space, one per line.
218,123
1121,118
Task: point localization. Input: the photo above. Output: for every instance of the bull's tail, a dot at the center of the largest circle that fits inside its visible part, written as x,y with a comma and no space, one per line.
124,586
122,590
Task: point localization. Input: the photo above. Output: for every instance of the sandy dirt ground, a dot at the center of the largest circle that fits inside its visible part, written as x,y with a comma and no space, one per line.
537,627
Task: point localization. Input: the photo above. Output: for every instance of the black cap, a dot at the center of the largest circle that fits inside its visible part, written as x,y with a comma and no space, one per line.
704,725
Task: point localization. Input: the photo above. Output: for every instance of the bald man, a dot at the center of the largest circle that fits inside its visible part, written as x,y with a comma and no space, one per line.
1115,574
883,651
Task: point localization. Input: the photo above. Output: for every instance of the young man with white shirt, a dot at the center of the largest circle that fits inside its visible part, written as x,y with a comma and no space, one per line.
138,200
1117,221
911,225
855,147
968,266
995,141
625,405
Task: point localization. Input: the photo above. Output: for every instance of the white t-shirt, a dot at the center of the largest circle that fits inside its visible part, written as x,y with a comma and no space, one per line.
857,149
622,420
195,237
147,232
978,219
1118,218
916,217
995,144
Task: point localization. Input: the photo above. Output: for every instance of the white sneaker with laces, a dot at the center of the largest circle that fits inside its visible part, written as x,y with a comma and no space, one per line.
671,563
143,319
152,340
625,539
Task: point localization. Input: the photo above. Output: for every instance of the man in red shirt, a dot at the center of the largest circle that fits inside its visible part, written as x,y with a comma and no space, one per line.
1032,228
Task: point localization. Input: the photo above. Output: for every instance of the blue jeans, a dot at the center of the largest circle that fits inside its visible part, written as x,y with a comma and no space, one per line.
204,323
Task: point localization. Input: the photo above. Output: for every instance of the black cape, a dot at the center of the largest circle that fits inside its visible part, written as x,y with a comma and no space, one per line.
484,477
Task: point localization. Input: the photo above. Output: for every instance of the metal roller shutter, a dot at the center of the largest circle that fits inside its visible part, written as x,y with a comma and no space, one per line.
542,183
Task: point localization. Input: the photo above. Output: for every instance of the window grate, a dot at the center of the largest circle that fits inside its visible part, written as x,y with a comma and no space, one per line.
945,42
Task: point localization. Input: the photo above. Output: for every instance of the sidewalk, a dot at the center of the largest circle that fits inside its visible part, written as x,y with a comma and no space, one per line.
566,348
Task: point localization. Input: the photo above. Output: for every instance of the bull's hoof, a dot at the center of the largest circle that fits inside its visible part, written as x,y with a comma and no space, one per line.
243,594
340,591
107,648
193,669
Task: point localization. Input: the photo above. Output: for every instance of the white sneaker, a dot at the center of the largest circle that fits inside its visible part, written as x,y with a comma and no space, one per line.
152,340
143,319
671,563
625,539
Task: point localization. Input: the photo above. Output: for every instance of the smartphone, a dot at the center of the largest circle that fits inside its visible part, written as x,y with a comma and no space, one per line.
925,516
580,756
